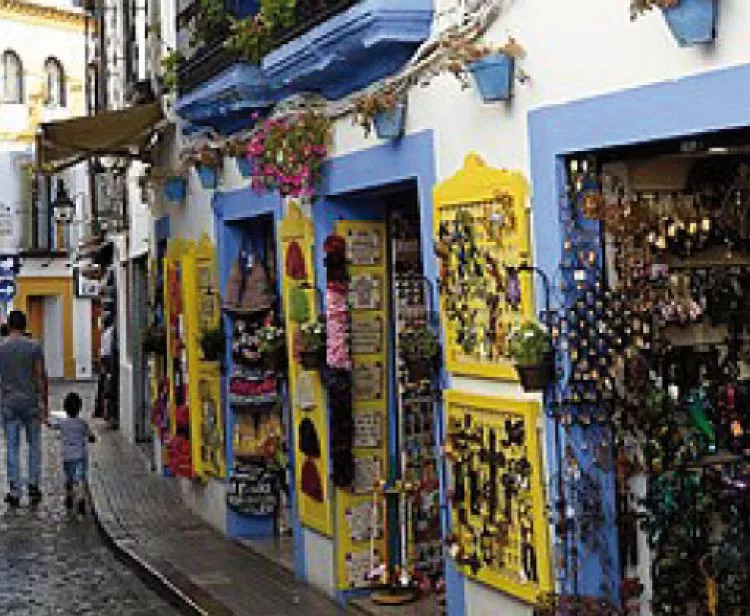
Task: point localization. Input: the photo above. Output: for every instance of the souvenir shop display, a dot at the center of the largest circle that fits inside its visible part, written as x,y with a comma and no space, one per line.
495,484
357,384
191,306
482,236
418,355
255,386
655,326
178,443
307,341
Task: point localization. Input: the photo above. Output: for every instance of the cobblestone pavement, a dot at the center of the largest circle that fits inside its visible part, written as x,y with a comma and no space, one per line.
144,513
53,563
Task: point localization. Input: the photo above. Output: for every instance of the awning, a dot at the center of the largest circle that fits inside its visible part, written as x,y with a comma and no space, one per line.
109,133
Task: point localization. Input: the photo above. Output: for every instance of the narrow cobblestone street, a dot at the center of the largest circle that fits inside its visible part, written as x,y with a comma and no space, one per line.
53,563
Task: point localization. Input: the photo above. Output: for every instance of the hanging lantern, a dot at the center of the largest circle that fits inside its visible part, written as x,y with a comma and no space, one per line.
63,207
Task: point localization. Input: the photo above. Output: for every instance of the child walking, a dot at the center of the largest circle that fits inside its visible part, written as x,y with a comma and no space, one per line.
76,434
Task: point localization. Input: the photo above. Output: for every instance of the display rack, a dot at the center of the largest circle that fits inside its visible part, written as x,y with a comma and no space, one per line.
481,237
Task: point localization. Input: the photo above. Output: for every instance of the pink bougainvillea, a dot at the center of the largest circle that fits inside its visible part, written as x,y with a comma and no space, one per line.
288,153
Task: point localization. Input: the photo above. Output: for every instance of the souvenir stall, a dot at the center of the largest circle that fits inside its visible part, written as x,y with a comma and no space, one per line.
379,374
655,272
195,343
258,492
495,481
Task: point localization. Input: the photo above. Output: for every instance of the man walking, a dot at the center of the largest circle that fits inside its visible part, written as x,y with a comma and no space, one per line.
23,404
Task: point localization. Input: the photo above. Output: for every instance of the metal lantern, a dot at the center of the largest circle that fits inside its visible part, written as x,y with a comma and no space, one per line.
63,207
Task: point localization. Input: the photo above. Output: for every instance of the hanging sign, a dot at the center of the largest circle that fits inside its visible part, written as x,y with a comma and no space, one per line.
7,289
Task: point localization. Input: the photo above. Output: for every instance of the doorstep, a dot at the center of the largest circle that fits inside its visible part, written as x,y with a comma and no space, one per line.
425,606
279,550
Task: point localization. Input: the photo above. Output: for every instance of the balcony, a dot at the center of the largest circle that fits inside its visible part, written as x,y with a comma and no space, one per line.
333,48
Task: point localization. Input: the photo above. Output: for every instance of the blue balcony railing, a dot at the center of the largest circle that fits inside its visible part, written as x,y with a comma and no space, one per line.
213,57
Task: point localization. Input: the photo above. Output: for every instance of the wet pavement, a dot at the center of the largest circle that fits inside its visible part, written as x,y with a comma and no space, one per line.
53,563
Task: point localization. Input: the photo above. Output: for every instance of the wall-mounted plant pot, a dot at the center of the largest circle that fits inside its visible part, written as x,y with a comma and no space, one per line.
208,176
493,75
174,189
418,371
693,22
536,377
244,166
390,124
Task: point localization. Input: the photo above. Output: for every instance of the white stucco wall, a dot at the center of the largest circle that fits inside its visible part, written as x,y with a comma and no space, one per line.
574,51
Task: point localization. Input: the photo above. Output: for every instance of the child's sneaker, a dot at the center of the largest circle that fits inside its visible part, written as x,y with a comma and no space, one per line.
12,501
82,507
69,500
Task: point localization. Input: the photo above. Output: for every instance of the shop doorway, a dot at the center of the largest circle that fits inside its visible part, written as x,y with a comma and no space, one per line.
656,324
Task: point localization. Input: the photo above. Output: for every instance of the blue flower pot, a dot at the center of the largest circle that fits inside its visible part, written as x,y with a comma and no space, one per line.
244,166
493,75
207,175
390,124
174,188
693,22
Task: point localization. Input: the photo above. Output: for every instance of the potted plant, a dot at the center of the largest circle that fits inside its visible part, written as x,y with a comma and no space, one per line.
385,110
311,347
212,342
154,340
420,351
237,149
692,22
288,153
530,348
207,162
271,346
493,69
174,188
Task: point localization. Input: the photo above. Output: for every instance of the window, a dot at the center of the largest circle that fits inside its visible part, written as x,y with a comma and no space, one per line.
12,78
55,83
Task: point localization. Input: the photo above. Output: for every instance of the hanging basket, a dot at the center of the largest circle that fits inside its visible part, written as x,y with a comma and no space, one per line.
207,175
493,75
244,166
693,22
536,377
174,189
390,124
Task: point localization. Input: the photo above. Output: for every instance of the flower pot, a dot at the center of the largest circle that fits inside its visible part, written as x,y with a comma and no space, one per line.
390,124
174,188
493,75
207,175
311,360
693,22
535,377
244,166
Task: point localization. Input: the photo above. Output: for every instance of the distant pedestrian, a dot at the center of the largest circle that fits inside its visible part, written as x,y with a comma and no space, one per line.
4,331
76,435
23,404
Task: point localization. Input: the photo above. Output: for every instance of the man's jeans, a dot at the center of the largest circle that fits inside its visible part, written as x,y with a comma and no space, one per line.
33,429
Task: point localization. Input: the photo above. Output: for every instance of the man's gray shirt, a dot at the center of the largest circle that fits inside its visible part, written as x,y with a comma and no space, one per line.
20,389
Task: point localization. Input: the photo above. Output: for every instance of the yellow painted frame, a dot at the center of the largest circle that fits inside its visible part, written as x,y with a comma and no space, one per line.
472,186
201,255
176,249
296,226
530,411
32,286
344,498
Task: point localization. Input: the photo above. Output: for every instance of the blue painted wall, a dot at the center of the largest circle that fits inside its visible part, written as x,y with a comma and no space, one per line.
698,104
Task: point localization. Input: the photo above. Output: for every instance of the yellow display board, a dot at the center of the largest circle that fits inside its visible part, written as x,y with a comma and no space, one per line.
496,484
193,263
481,236
357,510
307,398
